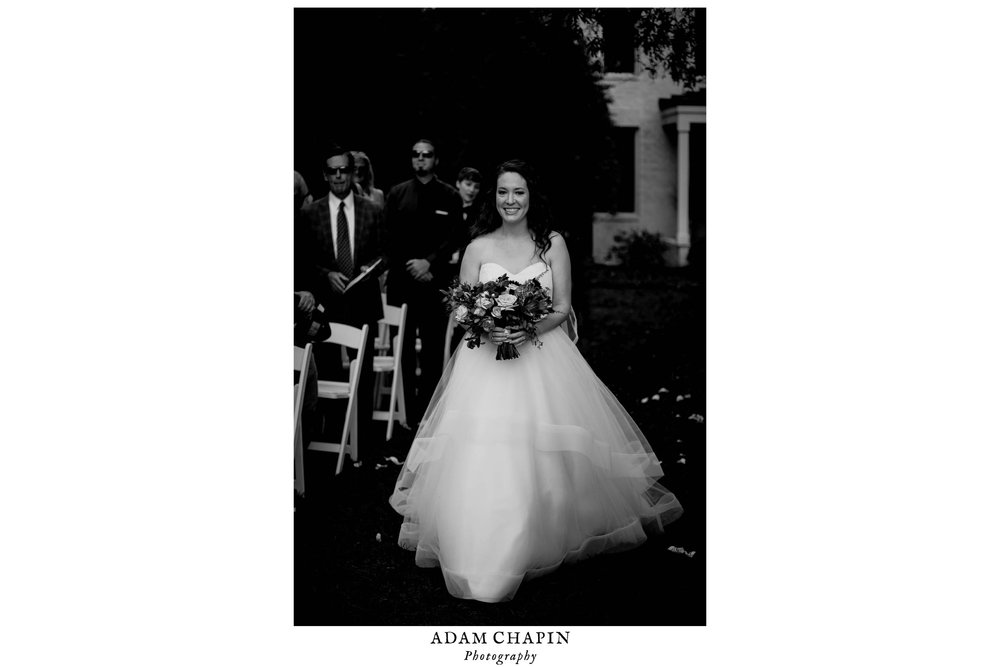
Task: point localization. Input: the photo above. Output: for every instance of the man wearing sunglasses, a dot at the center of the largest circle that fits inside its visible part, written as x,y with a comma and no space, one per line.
424,222
339,237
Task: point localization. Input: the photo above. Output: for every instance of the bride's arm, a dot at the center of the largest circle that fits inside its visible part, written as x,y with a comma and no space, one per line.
469,271
562,287
471,261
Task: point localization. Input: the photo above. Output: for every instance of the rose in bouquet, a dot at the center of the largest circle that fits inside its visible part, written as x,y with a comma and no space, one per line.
499,303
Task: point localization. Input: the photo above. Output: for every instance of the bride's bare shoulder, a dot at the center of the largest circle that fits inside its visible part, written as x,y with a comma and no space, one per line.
557,245
472,261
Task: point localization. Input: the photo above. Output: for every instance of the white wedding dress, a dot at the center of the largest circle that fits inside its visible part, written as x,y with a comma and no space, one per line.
524,464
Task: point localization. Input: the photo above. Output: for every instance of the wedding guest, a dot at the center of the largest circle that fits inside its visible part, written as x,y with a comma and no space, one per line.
347,235
302,196
424,220
364,179
468,184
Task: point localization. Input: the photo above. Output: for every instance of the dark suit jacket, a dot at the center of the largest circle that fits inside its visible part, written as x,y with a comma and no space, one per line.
424,221
362,304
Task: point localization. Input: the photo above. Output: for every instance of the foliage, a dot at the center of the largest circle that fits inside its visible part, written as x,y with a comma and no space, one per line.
640,250
669,41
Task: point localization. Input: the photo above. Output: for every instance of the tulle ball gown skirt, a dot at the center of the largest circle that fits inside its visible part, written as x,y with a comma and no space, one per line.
522,465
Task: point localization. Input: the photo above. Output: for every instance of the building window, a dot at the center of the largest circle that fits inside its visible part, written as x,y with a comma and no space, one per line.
618,28
620,198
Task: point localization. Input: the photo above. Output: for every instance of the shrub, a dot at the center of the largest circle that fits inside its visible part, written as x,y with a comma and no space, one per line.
640,250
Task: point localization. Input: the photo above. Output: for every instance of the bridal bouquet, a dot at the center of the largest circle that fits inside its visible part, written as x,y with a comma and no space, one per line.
499,303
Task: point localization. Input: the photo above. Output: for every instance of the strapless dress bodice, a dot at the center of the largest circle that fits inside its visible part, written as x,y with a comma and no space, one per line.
492,271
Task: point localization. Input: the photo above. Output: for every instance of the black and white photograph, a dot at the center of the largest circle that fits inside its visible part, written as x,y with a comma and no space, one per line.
500,225
575,380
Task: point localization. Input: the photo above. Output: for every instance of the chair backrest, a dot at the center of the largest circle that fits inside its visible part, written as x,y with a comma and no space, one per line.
395,316
348,336
302,355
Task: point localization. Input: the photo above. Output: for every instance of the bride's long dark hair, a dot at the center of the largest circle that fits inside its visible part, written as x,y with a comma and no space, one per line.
539,213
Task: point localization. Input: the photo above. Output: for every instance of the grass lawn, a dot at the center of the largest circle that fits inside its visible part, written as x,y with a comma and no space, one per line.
640,336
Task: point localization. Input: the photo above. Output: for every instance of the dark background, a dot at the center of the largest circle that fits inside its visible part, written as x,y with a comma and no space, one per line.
485,85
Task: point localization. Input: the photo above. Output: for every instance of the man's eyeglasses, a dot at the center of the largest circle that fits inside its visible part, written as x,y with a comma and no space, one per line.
337,171
422,154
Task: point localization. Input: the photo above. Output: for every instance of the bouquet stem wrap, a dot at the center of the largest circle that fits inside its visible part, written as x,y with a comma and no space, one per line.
506,351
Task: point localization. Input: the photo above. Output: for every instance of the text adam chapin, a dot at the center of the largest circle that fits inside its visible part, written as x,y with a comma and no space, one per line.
502,637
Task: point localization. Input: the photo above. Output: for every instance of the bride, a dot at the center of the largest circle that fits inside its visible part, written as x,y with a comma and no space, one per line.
524,464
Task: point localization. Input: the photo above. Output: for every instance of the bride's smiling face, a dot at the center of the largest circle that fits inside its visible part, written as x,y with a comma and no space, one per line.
512,197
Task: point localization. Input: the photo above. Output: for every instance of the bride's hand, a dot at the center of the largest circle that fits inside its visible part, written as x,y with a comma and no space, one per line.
516,337
499,335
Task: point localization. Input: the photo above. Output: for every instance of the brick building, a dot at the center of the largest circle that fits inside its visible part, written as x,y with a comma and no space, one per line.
660,142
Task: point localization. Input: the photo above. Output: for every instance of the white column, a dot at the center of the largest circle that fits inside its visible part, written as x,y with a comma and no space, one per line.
683,235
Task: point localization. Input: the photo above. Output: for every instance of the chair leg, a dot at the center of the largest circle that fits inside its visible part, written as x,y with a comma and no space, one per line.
340,457
354,434
348,436
393,411
400,414
389,423
300,474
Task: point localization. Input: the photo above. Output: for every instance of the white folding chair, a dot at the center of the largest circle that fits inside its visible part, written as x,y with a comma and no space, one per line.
389,367
449,333
302,357
349,337
345,360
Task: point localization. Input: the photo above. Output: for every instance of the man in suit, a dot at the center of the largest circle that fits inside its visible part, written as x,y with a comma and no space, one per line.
339,237
424,221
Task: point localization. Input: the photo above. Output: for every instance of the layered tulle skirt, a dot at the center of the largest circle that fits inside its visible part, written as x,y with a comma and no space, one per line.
522,465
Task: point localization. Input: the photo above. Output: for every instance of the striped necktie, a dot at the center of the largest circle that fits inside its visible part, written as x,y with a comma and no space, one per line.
344,259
